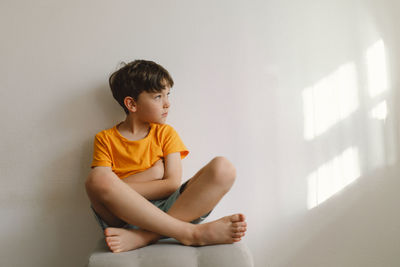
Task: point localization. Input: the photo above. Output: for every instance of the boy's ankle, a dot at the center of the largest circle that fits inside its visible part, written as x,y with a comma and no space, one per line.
189,235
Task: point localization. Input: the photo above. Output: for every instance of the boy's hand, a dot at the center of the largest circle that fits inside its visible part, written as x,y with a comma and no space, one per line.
158,169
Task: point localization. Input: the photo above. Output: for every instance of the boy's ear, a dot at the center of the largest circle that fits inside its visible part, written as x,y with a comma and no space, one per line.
130,103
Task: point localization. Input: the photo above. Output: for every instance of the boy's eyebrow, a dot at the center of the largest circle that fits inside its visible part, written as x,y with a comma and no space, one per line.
168,91
155,93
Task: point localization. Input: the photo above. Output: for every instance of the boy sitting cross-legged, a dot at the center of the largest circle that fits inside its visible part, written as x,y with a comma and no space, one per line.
135,182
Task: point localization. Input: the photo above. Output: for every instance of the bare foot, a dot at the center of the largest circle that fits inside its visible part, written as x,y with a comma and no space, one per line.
226,230
121,240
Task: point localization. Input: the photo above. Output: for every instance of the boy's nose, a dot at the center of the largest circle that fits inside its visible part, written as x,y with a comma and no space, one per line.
166,103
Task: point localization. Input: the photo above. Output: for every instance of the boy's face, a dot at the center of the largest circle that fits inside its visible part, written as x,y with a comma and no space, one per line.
153,107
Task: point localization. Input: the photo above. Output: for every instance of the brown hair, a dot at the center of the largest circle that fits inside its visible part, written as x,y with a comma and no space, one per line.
138,76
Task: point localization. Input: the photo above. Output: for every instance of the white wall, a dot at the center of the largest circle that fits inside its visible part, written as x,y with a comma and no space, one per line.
281,88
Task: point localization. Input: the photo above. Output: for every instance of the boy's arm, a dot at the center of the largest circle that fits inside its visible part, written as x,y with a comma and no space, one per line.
158,189
155,172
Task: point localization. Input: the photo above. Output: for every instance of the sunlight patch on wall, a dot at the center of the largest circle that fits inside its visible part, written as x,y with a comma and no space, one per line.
333,176
377,73
330,100
380,112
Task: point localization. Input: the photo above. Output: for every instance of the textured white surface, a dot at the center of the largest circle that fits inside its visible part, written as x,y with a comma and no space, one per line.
169,253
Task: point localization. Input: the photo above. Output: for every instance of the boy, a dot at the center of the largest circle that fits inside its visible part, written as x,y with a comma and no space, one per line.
134,184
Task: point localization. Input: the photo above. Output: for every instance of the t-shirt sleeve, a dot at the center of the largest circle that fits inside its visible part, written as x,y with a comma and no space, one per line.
101,154
173,143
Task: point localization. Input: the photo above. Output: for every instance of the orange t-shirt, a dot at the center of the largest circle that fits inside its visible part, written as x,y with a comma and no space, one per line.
127,157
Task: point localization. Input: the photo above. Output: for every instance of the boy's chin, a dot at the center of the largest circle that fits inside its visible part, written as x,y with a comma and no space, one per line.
161,121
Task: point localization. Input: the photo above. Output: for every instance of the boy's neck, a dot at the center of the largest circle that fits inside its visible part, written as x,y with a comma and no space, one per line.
133,127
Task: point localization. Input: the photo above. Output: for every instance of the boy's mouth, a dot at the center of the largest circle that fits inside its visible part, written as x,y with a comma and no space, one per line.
165,114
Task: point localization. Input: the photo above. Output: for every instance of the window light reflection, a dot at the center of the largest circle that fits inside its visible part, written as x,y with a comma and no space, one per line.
377,73
333,176
330,100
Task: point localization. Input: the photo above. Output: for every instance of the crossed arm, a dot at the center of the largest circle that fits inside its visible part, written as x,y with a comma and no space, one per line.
159,181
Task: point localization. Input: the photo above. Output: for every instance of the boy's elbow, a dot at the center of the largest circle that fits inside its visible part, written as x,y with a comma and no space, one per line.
173,184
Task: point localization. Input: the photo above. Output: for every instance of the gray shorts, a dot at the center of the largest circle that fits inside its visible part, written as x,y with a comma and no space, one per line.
163,204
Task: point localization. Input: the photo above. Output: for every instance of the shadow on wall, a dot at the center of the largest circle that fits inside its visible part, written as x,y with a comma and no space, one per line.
65,206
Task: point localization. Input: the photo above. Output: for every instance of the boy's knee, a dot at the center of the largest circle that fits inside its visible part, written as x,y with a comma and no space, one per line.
98,182
223,171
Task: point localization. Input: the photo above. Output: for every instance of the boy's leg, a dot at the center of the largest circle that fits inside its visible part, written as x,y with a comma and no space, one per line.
107,190
203,191
112,199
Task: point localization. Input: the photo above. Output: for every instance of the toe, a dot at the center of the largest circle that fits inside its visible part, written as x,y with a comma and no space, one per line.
110,231
236,230
112,238
239,229
237,235
236,218
113,244
115,249
239,224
